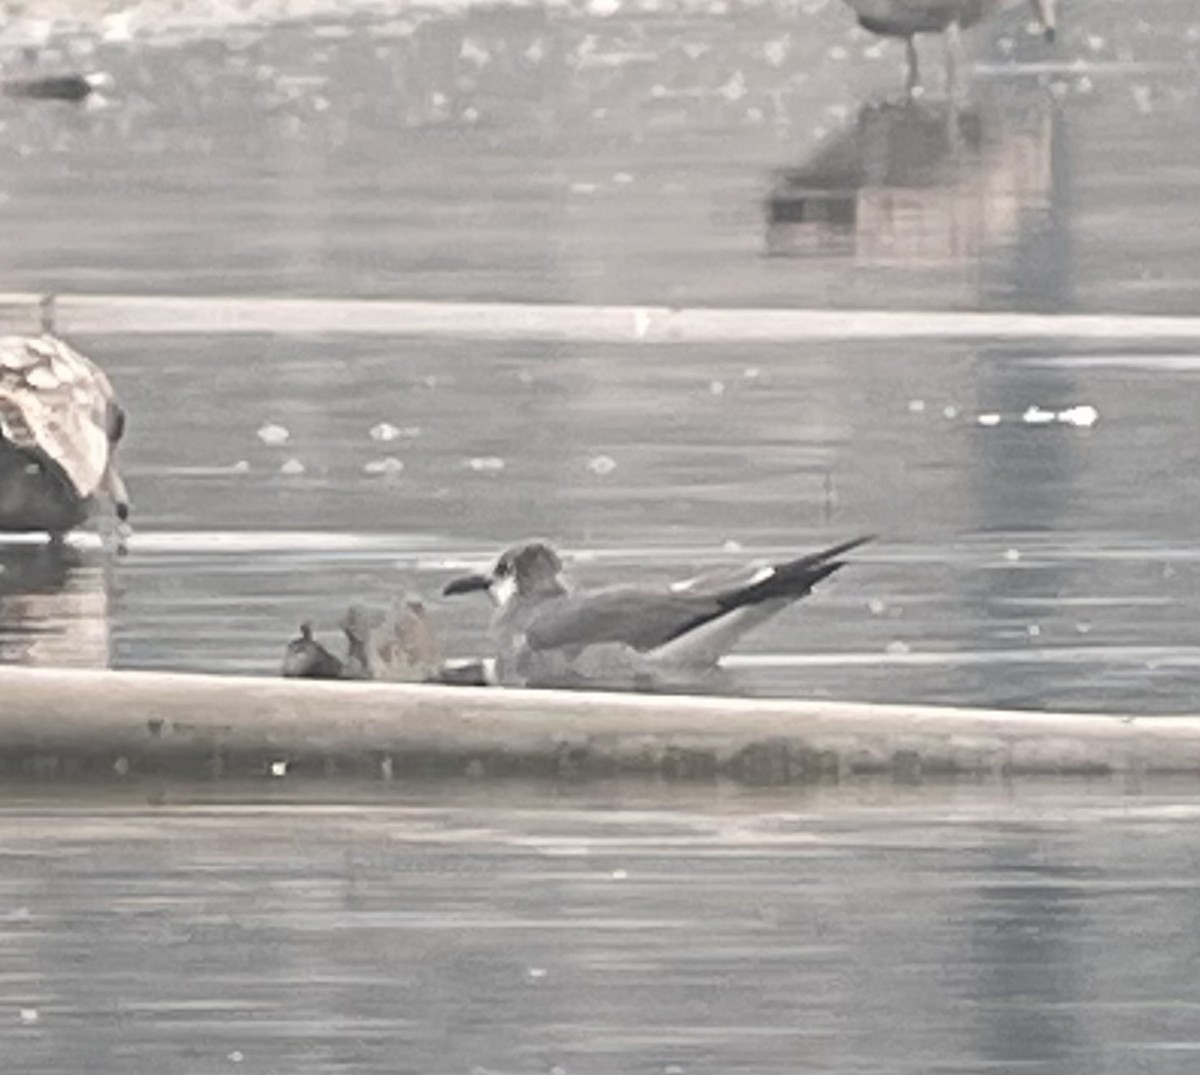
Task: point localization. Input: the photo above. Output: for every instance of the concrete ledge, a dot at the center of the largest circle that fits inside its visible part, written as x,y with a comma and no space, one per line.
80,314
68,724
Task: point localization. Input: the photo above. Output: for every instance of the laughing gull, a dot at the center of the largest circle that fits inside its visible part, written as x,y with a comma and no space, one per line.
60,424
548,633
907,18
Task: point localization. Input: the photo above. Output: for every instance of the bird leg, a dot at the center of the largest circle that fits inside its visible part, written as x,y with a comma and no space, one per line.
914,67
955,62
1048,16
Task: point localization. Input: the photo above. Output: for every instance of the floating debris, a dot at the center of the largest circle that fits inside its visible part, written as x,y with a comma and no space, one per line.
1012,555
389,466
716,388
273,434
1037,416
876,607
1083,416
279,768
384,431
735,89
776,52
28,1016
292,468
989,419
896,648
950,412
602,464
240,467
916,406
485,464
620,875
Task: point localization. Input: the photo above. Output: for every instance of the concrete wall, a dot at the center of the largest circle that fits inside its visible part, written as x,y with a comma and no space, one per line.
71,724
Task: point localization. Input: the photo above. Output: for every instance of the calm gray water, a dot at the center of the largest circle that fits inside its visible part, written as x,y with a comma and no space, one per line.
654,153
483,930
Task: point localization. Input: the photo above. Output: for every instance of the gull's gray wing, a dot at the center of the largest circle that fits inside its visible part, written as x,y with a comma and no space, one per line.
646,620
640,619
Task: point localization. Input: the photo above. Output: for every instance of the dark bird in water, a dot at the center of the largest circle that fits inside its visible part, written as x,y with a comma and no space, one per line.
49,87
905,19
548,633
60,424
306,658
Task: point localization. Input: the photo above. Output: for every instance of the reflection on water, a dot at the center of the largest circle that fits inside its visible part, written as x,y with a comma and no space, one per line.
499,928
913,186
54,607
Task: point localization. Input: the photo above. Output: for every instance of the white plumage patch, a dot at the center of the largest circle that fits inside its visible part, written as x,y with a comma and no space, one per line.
724,579
503,590
707,644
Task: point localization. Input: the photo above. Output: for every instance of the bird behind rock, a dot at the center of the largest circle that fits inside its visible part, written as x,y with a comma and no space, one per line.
905,19
400,645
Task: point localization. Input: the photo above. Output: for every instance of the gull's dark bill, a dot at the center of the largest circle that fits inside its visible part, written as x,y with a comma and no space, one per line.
466,584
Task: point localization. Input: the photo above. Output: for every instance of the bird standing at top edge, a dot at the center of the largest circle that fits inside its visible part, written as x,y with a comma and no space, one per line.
906,19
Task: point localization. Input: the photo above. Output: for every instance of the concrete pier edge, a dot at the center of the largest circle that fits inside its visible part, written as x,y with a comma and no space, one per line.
58,724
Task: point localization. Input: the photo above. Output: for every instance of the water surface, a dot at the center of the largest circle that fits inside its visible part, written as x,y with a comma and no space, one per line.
851,930
679,155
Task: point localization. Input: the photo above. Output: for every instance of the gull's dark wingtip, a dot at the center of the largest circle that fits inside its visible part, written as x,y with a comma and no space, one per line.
837,550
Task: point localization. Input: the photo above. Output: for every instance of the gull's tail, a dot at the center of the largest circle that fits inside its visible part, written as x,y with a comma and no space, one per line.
722,618
793,579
